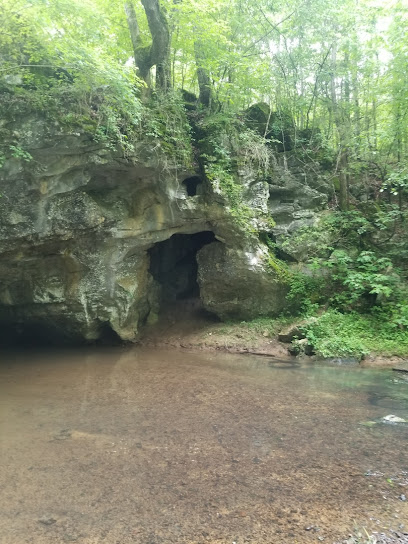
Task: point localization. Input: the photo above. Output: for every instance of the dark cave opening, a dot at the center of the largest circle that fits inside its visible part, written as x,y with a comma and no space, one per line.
192,185
173,265
41,333
33,333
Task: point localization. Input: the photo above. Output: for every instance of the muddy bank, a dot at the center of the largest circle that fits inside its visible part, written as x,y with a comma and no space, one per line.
206,335
200,331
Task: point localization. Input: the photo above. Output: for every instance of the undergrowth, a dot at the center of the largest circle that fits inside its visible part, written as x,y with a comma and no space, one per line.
267,325
334,334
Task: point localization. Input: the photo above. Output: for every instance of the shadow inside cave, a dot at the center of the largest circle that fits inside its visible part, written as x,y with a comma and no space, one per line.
173,265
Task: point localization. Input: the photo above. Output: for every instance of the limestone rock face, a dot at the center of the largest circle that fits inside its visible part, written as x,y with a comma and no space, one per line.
78,222
293,203
236,283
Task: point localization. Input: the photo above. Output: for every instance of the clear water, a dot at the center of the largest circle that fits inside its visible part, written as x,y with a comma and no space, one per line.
122,446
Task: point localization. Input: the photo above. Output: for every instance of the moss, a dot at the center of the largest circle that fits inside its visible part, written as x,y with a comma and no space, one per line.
165,124
225,146
223,182
336,183
278,268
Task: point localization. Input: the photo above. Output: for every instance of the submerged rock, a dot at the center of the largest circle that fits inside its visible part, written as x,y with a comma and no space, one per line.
401,368
343,360
393,419
47,520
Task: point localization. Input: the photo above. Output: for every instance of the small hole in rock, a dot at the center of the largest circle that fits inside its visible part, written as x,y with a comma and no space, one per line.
192,185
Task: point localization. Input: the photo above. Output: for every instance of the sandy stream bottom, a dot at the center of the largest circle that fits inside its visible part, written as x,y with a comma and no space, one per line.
117,446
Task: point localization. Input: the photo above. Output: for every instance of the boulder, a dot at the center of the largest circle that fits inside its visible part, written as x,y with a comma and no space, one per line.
238,284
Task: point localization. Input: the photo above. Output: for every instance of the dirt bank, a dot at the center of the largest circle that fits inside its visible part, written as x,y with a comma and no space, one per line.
193,328
189,327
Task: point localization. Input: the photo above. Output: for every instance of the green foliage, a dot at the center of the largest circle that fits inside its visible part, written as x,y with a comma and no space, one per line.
224,183
225,147
352,279
396,181
253,152
278,268
375,228
335,334
355,256
336,230
304,294
398,315
57,64
164,122
14,151
268,325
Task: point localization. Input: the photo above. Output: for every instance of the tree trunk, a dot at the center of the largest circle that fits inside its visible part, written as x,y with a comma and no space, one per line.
141,54
344,183
158,52
160,48
342,130
203,76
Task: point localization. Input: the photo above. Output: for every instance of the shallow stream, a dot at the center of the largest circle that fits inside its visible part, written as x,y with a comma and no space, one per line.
111,446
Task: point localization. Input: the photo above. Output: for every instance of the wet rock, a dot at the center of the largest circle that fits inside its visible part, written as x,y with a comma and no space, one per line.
68,537
343,360
393,419
301,347
64,434
378,361
401,368
294,204
368,424
289,334
376,474
294,331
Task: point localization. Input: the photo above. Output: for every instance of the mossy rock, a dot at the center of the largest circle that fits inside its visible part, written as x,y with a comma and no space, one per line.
276,126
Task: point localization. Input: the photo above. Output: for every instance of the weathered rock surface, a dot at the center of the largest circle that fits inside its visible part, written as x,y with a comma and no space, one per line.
292,202
76,226
238,283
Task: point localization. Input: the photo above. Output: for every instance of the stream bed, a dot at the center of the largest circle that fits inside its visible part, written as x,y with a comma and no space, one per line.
117,446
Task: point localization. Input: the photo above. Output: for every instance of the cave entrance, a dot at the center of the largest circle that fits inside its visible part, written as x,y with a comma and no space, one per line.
193,185
173,265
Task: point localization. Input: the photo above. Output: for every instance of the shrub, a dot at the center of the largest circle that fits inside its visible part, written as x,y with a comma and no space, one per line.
335,334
